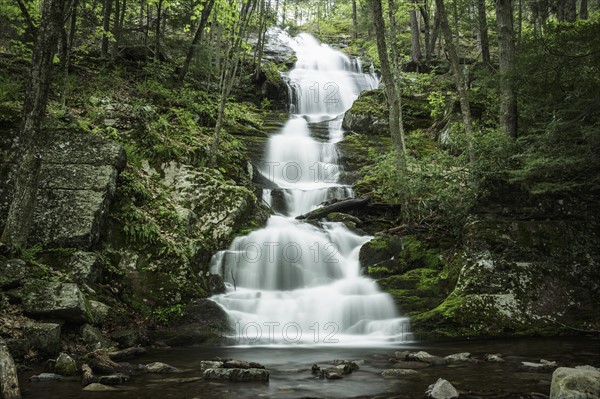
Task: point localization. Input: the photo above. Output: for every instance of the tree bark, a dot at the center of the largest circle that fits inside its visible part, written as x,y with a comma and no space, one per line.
436,31
427,31
339,206
67,47
570,10
459,78
393,34
159,9
583,10
483,33
506,55
206,10
262,31
20,213
9,383
415,34
106,26
354,20
393,97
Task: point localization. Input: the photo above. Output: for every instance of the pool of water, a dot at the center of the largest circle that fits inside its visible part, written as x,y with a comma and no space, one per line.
290,375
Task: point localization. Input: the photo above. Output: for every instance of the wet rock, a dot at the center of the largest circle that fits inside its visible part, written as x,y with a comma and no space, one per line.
401,355
402,364
542,367
113,379
43,337
575,383
46,377
210,364
162,368
12,272
442,389
459,357
418,356
332,375
393,373
65,365
236,375
94,337
353,365
241,364
52,299
96,387
126,338
494,357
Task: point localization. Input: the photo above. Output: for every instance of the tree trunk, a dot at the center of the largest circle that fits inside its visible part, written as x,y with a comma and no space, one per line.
427,29
20,213
262,31
9,383
506,55
229,73
583,9
459,78
158,30
67,47
436,31
393,97
483,34
114,49
206,10
354,20
393,34
570,10
106,26
415,34
30,26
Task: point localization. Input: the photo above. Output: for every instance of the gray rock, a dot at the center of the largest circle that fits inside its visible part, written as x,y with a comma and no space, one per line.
18,348
43,337
94,337
442,389
459,357
418,356
393,373
85,267
494,357
98,312
53,299
541,367
65,365
12,272
96,387
208,364
113,379
575,383
237,375
46,377
162,368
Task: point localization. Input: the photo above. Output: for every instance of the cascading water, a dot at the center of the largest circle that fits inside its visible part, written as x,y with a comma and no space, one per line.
293,282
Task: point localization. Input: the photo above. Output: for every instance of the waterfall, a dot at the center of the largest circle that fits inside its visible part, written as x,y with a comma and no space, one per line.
292,281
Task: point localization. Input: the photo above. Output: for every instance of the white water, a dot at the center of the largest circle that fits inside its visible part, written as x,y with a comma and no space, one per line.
293,282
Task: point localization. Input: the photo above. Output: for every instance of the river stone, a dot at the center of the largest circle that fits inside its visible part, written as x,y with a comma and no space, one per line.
96,387
393,373
43,337
46,377
541,367
209,364
241,364
113,379
494,357
420,356
52,299
161,368
575,383
459,357
442,389
12,272
236,375
65,365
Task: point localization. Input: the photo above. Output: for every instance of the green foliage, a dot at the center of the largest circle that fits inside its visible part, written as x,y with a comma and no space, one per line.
167,314
559,92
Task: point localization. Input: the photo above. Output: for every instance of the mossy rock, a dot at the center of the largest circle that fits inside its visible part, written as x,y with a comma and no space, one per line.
359,150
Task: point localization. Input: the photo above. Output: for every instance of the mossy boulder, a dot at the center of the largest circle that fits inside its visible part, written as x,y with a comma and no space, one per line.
55,300
358,150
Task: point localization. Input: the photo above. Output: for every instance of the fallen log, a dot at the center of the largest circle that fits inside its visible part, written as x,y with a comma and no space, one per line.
9,383
338,206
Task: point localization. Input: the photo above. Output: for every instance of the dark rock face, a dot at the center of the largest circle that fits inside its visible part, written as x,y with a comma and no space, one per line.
77,184
55,300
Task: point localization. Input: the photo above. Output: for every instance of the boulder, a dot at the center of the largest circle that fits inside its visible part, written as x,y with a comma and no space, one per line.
94,337
236,375
542,367
113,379
442,389
46,377
43,337
98,312
393,373
65,365
12,272
77,184
96,387
210,364
56,300
241,364
161,368
494,357
459,357
85,267
575,383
